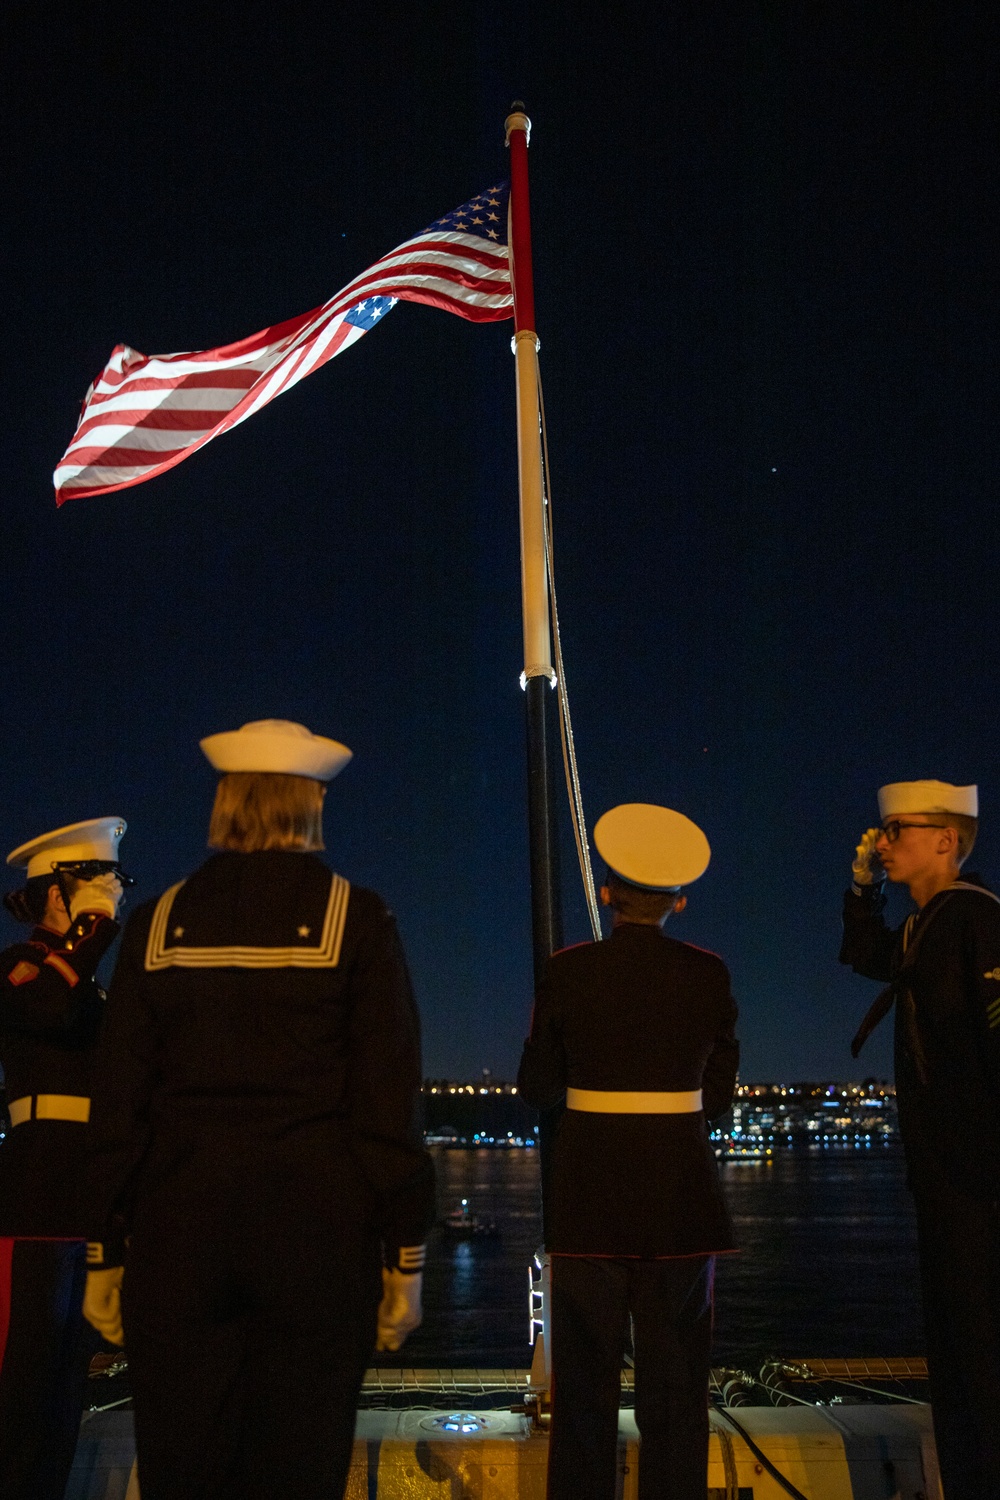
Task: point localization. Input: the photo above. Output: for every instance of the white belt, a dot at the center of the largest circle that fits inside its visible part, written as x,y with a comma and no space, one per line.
614,1102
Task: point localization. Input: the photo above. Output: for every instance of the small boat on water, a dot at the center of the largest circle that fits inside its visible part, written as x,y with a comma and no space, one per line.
746,1150
463,1223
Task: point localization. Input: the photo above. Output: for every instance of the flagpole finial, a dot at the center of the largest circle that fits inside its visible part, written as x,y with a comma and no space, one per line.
517,120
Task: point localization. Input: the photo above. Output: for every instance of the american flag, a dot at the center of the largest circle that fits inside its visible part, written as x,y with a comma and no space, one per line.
144,413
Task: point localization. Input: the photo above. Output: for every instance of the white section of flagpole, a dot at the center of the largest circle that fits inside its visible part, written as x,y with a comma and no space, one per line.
534,573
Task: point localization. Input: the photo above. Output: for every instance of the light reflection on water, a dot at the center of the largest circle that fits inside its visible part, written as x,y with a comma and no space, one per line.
827,1263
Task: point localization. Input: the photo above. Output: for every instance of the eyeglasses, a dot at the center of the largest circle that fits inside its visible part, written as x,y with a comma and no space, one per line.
90,869
892,830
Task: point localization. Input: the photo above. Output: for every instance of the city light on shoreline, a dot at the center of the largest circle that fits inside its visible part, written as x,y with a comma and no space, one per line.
766,1120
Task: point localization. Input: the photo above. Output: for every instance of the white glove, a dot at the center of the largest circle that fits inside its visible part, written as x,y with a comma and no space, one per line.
102,894
400,1311
867,867
102,1303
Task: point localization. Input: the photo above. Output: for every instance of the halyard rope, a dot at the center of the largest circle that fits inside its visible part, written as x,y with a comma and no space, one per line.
570,767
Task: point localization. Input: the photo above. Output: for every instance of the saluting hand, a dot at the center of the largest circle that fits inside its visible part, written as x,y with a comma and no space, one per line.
102,894
867,867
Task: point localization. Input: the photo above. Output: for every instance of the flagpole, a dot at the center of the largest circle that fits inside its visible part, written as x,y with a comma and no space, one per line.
538,677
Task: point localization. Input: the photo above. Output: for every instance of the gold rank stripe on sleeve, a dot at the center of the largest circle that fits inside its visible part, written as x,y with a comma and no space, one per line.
325,955
21,973
412,1258
993,1013
60,965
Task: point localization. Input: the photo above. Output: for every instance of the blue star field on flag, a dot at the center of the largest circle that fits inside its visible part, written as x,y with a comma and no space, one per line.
485,215
368,312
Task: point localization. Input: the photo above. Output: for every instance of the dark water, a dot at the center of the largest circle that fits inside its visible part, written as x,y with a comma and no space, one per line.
828,1264
828,1261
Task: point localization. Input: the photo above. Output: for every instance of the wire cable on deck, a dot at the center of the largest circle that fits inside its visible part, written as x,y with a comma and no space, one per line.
728,1462
761,1456
570,767
874,1390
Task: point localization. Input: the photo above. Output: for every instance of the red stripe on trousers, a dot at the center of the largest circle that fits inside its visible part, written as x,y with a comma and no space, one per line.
6,1263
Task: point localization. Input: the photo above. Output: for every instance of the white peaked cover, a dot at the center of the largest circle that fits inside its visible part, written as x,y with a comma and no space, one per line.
97,838
652,846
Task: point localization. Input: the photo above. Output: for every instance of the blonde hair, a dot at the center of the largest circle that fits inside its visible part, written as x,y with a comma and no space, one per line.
966,828
267,810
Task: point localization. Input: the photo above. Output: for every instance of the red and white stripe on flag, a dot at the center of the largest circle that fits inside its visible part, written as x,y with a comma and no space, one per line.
145,413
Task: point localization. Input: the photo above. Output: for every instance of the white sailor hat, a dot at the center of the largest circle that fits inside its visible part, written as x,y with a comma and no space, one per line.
927,797
98,838
276,745
652,846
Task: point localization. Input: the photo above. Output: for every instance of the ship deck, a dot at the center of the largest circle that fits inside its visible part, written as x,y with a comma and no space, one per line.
458,1435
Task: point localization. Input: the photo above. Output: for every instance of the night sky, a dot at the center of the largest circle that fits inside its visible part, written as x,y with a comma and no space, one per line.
765,244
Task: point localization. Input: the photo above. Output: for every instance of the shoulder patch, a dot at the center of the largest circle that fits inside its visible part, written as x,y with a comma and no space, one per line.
164,952
22,973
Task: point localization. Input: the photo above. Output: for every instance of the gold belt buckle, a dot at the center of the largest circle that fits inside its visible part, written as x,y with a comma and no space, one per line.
20,1110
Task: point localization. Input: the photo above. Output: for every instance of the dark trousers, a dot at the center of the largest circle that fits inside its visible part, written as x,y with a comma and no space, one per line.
249,1322
959,1243
43,1364
670,1302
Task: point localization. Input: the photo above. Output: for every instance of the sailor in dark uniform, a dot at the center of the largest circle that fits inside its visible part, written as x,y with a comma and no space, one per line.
944,968
50,1013
637,1033
257,1137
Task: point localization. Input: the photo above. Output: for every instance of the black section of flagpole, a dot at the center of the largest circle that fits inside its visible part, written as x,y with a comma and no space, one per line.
546,904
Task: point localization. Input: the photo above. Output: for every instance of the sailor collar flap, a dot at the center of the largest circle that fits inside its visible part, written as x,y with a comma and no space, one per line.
914,929
917,922
166,950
